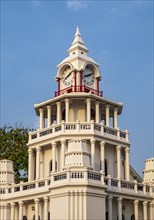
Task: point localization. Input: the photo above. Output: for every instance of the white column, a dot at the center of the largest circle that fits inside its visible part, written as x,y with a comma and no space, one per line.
88,110
136,209
102,155
49,115
21,210
54,157
38,149
5,211
151,211
118,161
42,122
12,211
127,172
115,117
30,165
46,208
97,120
107,115
93,153
58,112
2,211
119,200
66,110
37,209
145,210
110,198
63,143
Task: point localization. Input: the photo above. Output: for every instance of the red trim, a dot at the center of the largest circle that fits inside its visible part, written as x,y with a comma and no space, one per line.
75,80
81,80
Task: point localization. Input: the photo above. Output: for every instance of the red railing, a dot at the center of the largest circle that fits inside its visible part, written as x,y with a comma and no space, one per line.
79,89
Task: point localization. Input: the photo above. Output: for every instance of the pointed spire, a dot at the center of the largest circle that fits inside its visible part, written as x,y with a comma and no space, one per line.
78,42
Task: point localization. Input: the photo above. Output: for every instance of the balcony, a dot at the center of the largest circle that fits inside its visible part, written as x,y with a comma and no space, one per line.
76,176
78,128
79,89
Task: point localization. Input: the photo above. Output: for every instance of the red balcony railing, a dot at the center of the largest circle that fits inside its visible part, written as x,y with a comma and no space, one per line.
79,89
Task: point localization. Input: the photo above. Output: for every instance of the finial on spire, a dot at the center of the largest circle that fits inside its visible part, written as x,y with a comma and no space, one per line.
77,31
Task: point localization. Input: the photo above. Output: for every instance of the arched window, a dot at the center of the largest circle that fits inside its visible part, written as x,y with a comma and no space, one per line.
106,173
132,217
24,217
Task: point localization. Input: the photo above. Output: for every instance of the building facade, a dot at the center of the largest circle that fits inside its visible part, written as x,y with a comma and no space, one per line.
78,157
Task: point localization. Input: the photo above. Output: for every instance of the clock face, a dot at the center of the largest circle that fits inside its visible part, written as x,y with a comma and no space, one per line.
68,76
88,76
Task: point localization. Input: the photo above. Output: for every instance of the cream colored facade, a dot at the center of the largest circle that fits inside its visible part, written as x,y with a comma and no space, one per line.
79,157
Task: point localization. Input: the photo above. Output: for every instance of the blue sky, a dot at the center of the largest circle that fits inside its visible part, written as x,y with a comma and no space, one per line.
35,36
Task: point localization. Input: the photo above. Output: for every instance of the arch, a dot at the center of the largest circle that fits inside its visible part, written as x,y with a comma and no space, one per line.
60,70
94,67
132,217
24,217
34,217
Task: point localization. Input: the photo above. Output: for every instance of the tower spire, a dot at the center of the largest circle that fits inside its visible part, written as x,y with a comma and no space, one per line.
78,43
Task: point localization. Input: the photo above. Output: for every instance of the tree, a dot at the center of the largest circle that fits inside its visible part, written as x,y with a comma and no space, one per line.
13,146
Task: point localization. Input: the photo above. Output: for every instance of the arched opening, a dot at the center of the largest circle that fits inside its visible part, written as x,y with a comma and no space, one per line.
123,217
106,172
34,217
24,217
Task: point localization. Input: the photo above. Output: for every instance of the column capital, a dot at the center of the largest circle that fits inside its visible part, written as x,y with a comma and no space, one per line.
38,149
67,100
21,203
46,198
48,107
127,149
54,144
12,204
136,202
118,148
58,103
36,201
63,141
107,106
145,203
97,102
93,141
102,143
110,198
119,200
115,108
41,110
88,100
30,151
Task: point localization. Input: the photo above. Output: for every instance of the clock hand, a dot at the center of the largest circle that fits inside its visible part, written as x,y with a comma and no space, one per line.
88,75
68,74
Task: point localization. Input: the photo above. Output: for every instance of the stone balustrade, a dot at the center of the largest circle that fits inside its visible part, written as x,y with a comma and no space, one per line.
79,127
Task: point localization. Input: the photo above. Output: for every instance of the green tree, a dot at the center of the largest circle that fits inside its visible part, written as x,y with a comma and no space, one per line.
13,146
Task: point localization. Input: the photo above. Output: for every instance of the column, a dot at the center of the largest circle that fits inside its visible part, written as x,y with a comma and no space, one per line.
109,199
136,202
38,149
107,115
30,165
145,210
102,144
21,210
151,211
6,206
54,157
58,112
118,161
88,110
12,211
115,118
119,200
42,122
36,209
93,153
2,211
97,112
63,143
127,172
66,110
46,208
49,115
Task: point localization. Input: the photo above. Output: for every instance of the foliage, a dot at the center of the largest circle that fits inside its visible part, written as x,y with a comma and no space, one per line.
13,146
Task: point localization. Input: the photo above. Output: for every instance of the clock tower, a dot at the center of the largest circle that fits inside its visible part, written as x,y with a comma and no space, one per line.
78,72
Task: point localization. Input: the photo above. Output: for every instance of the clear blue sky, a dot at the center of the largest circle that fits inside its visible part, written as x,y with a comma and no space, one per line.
35,36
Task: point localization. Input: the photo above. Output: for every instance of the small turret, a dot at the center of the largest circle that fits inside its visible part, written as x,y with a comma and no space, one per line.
6,172
149,171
